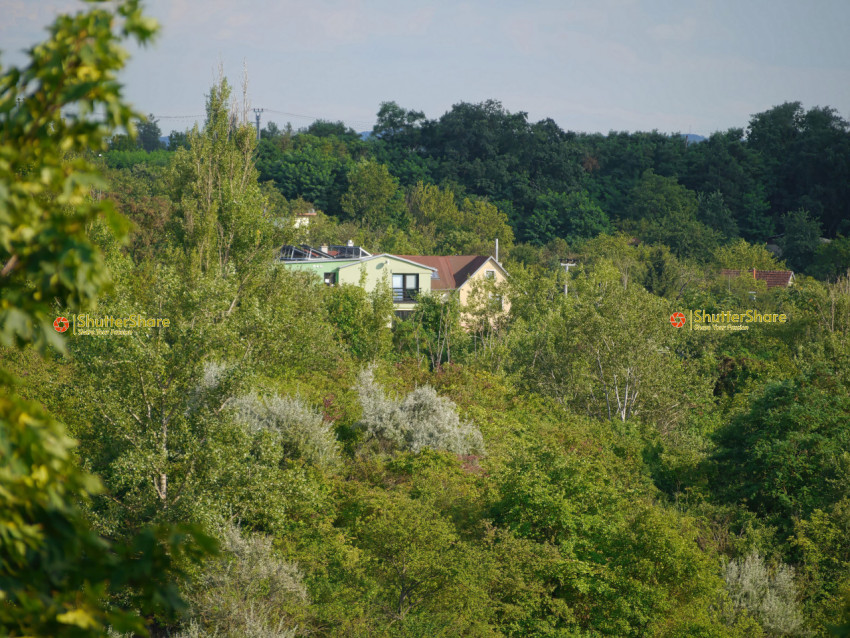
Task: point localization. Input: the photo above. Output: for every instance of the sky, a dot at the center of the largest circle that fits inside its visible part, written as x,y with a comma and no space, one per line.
686,66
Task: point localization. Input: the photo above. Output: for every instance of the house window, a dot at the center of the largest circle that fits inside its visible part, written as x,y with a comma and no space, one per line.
490,274
405,288
330,279
403,315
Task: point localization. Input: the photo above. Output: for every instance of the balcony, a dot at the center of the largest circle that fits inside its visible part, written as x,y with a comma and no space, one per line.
405,295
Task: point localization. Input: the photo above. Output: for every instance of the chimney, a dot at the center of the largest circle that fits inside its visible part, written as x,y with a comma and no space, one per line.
323,248
350,243
497,250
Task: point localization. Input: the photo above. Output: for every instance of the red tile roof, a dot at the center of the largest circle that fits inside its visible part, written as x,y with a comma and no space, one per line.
774,278
453,270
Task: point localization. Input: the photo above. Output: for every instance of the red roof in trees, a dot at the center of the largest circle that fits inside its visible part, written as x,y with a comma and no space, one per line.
773,278
453,270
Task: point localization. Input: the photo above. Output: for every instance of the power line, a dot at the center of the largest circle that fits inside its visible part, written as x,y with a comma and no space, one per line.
314,117
178,117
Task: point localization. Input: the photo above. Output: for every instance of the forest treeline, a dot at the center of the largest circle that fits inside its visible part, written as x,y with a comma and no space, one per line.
783,180
285,459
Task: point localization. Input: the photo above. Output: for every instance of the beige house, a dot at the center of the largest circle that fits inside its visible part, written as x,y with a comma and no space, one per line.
461,272
406,278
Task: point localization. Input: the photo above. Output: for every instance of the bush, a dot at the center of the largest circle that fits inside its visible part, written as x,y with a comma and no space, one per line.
249,593
303,430
769,597
421,420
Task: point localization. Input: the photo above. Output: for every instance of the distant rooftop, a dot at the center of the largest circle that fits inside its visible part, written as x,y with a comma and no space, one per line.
451,271
304,252
773,278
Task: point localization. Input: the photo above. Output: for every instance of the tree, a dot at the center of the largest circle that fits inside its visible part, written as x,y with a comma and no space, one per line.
663,272
412,549
805,158
770,597
373,197
787,450
610,550
800,239
831,259
324,128
823,543
221,209
665,212
58,575
727,164
570,216
178,139
713,212
421,420
741,255
607,351
361,320
137,197
150,134
392,120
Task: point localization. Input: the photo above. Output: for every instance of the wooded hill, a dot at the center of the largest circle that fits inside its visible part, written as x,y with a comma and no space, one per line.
575,467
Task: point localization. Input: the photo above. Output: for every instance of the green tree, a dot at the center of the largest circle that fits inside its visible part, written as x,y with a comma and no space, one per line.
58,575
823,542
178,139
788,450
831,259
607,350
324,128
666,212
223,221
373,197
800,239
741,255
570,216
361,320
663,273
149,134
610,552
426,574
392,120
139,196
726,164
713,212
804,154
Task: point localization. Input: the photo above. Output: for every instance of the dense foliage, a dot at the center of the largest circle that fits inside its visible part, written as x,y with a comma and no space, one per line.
552,459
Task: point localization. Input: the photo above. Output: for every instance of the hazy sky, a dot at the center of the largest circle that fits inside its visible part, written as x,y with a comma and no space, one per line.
601,65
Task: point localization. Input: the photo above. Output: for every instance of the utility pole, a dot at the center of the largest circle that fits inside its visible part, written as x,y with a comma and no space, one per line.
257,113
567,265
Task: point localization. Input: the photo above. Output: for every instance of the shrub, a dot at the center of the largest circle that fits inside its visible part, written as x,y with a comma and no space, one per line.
771,597
303,430
250,592
421,420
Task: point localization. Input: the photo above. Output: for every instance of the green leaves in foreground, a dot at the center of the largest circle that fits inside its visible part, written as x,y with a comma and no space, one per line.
47,124
56,572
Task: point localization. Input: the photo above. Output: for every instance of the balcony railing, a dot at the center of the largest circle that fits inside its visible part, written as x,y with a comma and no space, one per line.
405,295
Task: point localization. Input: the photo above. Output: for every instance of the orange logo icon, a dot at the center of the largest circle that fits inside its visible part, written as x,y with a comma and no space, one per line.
61,324
677,319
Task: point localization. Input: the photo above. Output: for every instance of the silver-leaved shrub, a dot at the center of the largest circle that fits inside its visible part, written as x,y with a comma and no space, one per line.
420,420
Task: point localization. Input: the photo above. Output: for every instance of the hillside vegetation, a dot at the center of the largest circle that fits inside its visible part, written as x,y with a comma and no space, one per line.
577,466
